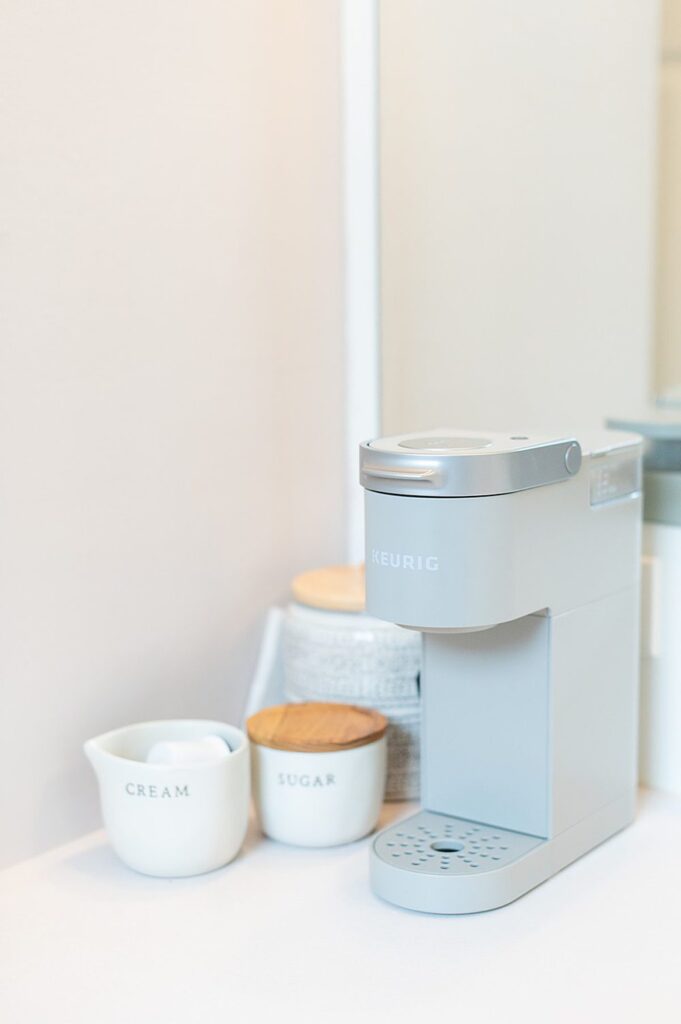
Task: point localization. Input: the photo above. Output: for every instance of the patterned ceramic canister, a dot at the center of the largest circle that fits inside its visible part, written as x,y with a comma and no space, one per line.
333,652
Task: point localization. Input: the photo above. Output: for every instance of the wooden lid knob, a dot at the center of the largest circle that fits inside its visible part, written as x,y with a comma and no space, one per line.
338,588
316,727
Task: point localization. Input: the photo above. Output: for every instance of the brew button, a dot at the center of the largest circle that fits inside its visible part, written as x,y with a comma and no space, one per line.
573,458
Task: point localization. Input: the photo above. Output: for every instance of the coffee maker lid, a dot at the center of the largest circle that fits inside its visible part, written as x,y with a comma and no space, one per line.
449,462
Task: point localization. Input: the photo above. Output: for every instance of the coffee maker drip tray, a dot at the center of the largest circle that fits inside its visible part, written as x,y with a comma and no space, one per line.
435,844
445,865
441,864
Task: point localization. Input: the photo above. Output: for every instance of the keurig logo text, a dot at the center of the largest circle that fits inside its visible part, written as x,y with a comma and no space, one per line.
396,560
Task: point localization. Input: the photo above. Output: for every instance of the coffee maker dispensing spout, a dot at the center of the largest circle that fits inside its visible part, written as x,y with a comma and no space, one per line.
518,559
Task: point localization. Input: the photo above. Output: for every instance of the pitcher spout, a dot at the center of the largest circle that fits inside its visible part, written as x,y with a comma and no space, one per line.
94,753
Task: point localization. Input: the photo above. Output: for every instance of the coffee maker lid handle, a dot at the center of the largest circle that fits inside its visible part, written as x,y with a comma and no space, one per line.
404,473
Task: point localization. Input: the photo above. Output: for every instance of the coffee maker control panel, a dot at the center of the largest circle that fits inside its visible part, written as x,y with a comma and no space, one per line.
615,476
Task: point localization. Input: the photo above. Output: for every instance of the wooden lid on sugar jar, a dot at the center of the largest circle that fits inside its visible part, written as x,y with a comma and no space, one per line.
316,727
337,588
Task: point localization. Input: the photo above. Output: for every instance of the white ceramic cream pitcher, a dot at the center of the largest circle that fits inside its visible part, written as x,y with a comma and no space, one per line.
172,819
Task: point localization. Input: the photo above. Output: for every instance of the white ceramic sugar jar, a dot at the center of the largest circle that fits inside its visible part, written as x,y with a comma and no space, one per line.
318,771
172,820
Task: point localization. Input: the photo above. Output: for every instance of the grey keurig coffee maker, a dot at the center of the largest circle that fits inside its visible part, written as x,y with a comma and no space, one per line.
517,557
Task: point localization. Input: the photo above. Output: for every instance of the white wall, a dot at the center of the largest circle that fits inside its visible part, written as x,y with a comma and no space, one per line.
669,202
517,192
170,407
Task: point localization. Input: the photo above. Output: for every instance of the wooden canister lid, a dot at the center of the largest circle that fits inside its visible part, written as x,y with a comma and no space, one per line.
338,588
316,727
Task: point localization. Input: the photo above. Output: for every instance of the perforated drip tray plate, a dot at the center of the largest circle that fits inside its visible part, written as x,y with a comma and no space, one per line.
436,844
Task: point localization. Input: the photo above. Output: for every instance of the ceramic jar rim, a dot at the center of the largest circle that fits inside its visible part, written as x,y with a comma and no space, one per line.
235,738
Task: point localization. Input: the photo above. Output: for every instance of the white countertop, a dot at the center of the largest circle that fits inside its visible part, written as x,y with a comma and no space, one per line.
284,933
